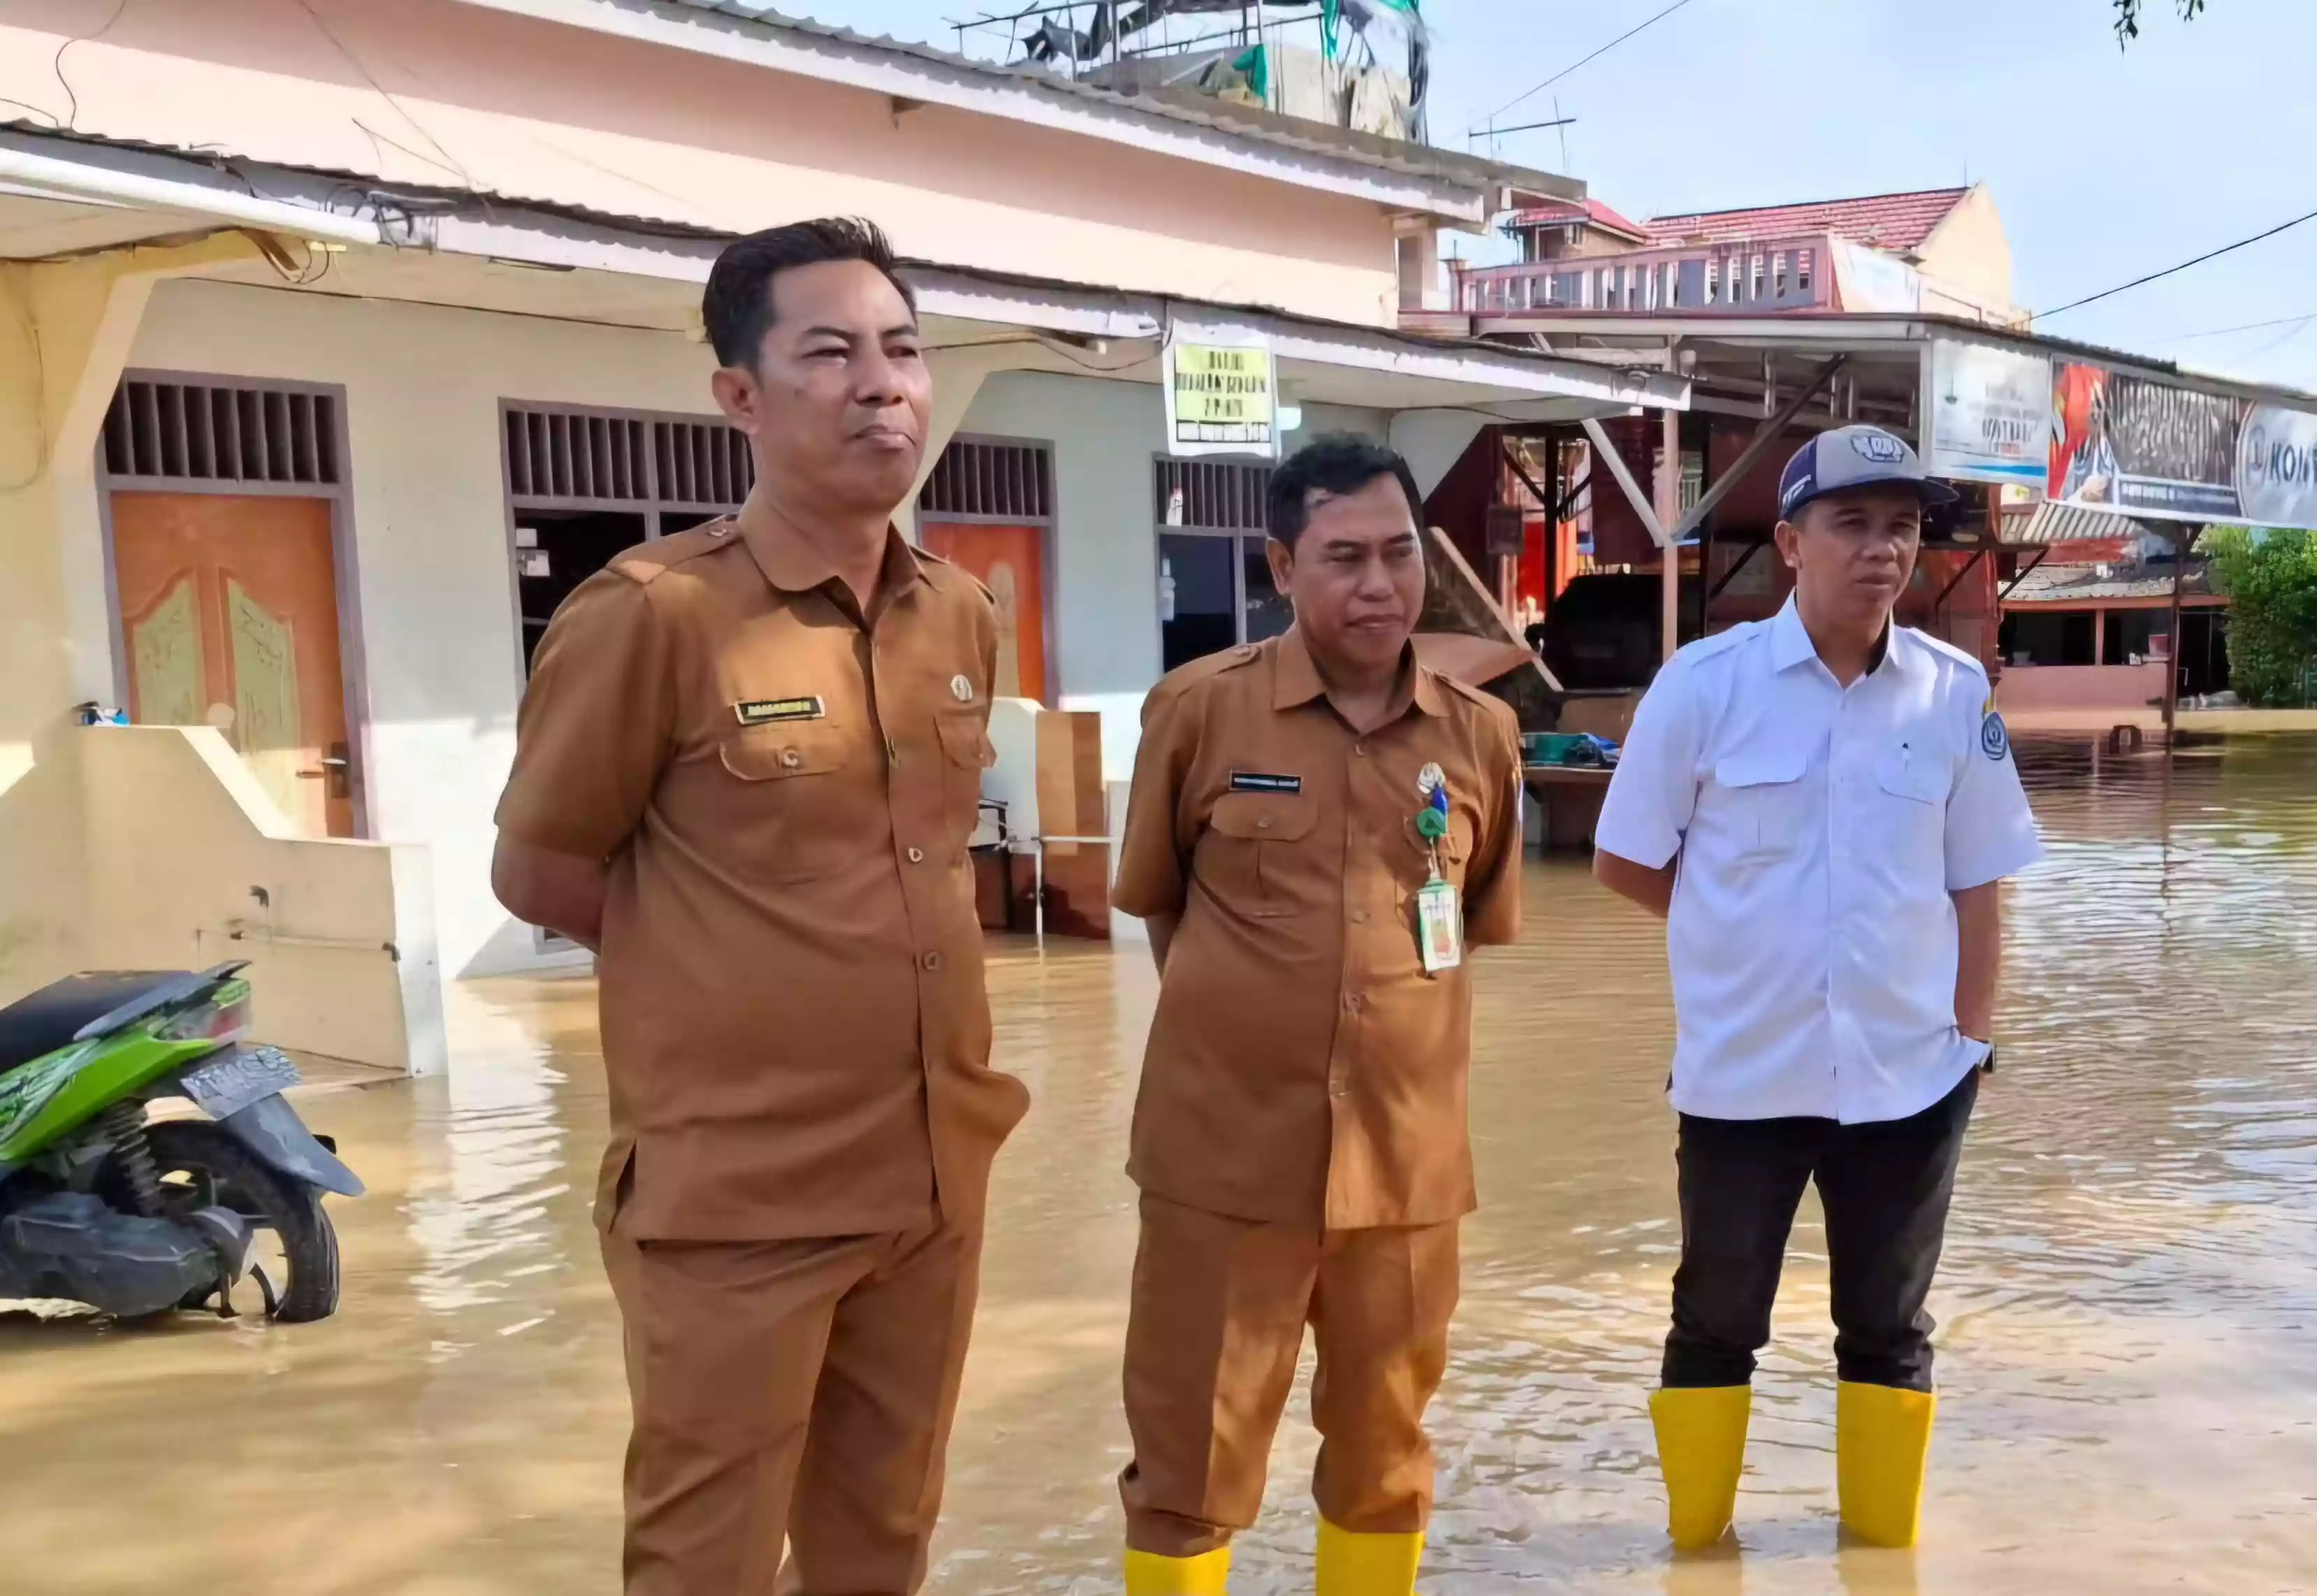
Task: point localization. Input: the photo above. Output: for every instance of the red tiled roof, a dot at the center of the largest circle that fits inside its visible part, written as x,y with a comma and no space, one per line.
1592,210
1887,222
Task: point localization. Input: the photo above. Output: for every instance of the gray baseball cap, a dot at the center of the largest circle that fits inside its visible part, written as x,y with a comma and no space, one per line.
1854,457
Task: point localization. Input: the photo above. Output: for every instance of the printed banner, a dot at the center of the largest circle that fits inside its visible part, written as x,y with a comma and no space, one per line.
1987,414
2144,448
2277,468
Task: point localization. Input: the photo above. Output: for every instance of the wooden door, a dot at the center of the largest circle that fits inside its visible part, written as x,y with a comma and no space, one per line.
1010,561
229,615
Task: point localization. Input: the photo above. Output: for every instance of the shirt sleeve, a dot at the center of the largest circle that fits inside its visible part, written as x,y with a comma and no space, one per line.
1492,881
1153,874
596,722
1646,811
1990,829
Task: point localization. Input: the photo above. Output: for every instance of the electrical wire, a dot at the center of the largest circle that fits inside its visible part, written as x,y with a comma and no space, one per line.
1596,56
57,65
2107,294
2242,327
449,163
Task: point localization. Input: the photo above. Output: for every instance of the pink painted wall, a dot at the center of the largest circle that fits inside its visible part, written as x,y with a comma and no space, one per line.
2034,687
448,95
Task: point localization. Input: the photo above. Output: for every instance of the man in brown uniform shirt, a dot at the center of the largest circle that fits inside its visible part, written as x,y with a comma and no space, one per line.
747,768
1299,1137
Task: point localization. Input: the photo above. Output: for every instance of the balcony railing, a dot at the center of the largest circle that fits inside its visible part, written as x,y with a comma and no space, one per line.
1748,275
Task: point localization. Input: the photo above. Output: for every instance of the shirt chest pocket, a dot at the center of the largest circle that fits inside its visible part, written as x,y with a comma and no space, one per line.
1254,859
1907,800
788,797
1762,805
966,751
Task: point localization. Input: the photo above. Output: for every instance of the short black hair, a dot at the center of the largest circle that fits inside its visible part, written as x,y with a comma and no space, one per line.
1333,463
737,305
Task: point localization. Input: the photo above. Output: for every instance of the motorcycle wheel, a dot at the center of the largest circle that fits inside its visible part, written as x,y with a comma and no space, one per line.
198,1154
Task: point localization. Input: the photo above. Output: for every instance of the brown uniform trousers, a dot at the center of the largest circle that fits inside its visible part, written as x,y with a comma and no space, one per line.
1300,1134
795,1033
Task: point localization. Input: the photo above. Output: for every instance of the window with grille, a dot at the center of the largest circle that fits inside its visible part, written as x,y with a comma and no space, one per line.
1210,495
988,480
176,432
595,459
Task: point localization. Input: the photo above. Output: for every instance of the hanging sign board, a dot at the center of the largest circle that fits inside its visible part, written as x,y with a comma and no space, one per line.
1221,396
2276,467
1987,414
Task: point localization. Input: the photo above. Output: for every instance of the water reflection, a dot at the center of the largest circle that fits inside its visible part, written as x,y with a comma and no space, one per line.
2131,1386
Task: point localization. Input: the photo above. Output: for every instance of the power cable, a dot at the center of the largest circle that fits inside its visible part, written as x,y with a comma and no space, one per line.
2242,327
2168,271
1596,56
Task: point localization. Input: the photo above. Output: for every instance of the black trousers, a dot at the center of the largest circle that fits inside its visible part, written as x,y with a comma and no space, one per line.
1885,1188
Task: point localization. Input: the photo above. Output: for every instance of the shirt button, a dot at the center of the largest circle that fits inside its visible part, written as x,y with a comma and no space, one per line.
916,855
932,961
1336,1089
1359,917
1360,748
791,759
1351,1003
1263,824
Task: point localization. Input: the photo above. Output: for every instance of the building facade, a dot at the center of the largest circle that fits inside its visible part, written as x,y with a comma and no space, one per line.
1938,252
307,433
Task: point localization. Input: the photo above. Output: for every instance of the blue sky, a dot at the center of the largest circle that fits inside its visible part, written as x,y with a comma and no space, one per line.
2105,164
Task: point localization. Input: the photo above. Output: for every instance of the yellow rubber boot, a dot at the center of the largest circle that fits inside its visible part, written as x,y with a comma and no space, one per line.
1881,1439
1701,1449
1367,1564
1150,1575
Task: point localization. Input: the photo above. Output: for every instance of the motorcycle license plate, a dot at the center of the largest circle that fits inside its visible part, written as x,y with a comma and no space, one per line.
233,1081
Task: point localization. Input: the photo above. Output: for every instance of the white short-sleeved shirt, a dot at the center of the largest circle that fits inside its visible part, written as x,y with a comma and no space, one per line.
1821,829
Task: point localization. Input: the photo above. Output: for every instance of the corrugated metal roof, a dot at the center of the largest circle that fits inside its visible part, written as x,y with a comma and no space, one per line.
1422,160
1896,222
2052,523
2061,586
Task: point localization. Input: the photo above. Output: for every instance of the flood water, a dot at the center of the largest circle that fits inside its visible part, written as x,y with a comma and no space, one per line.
2126,1353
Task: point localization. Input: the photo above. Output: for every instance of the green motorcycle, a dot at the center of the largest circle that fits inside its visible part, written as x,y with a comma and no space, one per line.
103,1205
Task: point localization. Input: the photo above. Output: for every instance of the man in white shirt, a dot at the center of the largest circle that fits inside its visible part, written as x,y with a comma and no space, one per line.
1822,806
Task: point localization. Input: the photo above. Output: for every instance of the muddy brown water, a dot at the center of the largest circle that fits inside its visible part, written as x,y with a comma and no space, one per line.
2128,1348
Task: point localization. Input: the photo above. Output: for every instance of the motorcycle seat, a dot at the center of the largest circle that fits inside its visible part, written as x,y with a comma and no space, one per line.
42,1022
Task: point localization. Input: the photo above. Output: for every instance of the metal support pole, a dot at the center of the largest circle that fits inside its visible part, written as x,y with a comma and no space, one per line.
1977,555
2182,542
1038,896
1668,496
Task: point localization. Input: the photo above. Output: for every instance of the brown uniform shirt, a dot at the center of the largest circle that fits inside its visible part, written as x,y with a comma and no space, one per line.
1302,1069
795,1028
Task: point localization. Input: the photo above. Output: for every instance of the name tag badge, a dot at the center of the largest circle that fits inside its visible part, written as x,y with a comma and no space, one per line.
1254,781
1439,927
764,712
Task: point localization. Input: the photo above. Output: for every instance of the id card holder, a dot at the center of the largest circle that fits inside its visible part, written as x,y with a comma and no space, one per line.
1439,927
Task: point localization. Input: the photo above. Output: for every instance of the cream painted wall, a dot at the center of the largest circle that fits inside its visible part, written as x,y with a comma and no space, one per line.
643,130
442,667
341,949
65,329
1969,249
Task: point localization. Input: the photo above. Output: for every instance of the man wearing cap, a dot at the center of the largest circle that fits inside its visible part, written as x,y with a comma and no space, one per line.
1318,827
1822,806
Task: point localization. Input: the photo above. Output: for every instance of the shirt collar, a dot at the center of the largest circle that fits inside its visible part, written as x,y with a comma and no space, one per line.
1295,679
794,566
1790,642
